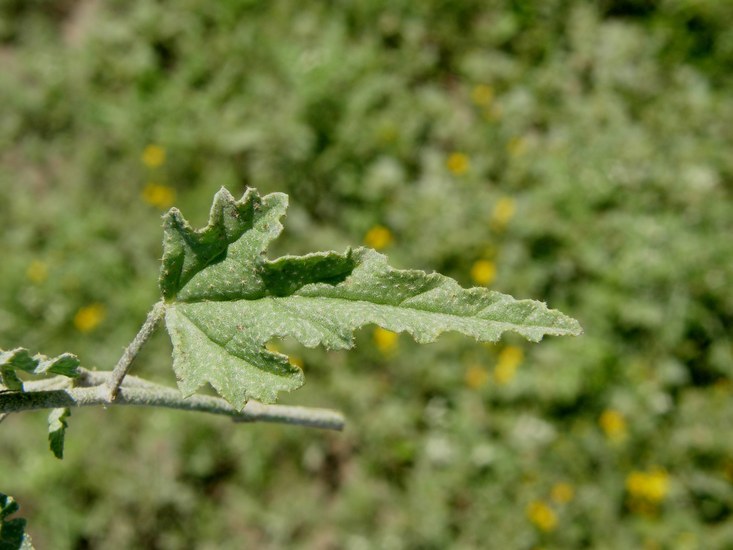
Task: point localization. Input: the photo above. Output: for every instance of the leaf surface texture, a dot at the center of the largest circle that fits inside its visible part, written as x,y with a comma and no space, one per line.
225,301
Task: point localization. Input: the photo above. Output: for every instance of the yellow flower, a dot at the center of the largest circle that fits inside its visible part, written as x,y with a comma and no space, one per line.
562,493
153,156
651,486
388,133
506,366
511,355
482,95
37,271
728,470
293,359
517,146
493,113
542,516
89,317
476,376
503,212
503,374
378,237
385,340
160,196
687,540
613,424
483,272
458,163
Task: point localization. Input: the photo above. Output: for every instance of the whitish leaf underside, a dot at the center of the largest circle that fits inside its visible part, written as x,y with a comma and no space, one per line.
65,364
222,316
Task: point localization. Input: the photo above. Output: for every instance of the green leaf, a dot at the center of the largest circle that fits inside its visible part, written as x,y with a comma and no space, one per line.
225,301
65,364
237,229
10,380
57,425
8,506
12,532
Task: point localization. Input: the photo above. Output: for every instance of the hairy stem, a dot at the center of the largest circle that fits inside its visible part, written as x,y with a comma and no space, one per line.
123,365
136,391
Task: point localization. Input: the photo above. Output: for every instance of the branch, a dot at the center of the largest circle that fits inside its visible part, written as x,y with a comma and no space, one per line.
138,392
123,365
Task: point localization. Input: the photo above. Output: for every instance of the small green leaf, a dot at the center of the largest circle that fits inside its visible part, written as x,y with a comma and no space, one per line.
8,506
57,425
225,301
12,532
65,364
10,380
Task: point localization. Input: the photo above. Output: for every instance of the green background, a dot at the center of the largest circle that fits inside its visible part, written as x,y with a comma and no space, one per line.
608,124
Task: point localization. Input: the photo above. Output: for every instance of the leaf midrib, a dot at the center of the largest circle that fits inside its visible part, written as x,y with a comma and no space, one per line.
547,328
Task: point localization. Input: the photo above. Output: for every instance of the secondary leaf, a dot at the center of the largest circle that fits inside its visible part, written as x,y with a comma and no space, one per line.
57,425
225,301
65,364
12,531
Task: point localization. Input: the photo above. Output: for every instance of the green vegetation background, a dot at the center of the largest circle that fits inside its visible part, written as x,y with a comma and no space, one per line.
570,151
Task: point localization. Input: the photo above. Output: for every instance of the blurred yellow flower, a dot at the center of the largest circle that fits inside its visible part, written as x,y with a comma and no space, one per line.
687,540
160,196
506,366
562,493
37,271
476,376
493,113
651,486
542,516
293,359
517,146
378,237
388,133
613,424
153,156
458,163
728,470
503,212
482,95
483,272
512,355
385,340
504,373
88,317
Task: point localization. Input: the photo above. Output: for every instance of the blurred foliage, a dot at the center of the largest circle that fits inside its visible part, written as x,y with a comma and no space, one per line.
586,146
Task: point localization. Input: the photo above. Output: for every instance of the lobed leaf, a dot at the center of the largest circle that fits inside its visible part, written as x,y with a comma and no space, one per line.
12,531
8,506
221,316
65,364
239,230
